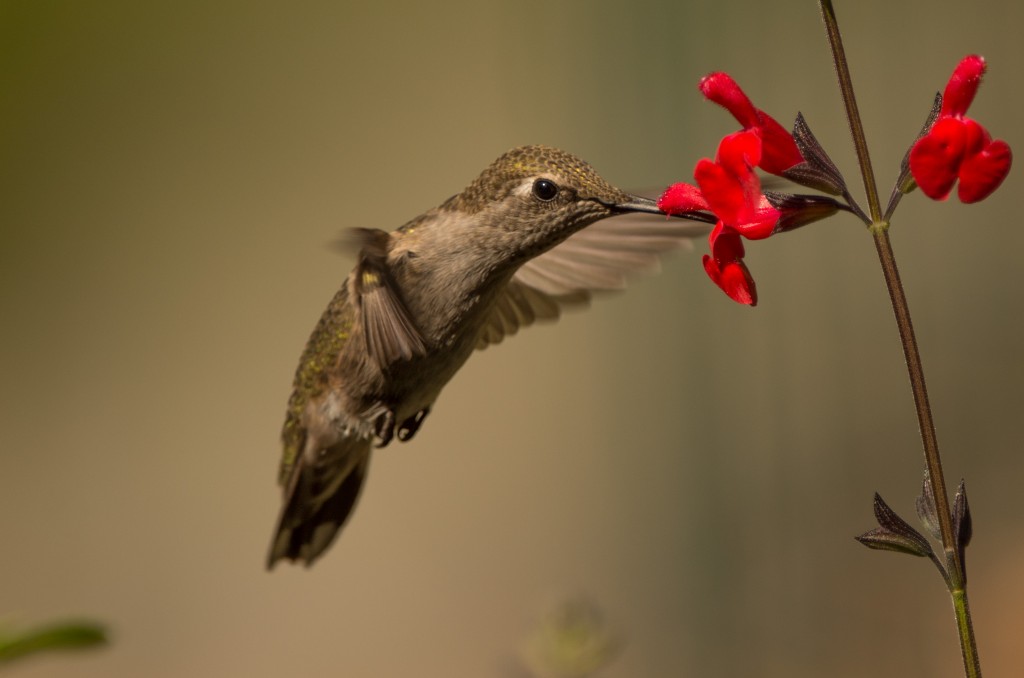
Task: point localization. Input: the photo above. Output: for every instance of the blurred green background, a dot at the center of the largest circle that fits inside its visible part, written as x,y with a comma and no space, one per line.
170,176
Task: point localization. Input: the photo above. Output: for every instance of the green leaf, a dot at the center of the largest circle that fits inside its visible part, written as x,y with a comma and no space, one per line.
59,636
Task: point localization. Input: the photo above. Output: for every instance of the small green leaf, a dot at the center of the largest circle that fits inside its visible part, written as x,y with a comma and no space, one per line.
60,636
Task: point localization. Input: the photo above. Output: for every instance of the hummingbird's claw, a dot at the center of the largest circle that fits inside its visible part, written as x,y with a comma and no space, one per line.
409,427
384,428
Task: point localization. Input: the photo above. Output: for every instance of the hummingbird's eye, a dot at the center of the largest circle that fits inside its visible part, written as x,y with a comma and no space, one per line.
545,189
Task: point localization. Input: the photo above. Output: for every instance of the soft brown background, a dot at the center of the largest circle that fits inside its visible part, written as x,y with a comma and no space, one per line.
170,176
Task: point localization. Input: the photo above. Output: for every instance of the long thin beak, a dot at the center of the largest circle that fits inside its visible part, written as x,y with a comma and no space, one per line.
637,203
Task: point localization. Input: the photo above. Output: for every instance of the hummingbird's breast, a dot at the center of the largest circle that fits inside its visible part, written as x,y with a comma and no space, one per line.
449,292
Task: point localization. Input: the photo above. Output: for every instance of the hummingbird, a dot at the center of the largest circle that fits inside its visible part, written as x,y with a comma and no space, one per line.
524,240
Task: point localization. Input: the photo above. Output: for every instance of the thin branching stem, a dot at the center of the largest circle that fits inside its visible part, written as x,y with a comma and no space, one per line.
860,142
965,627
880,232
924,412
953,566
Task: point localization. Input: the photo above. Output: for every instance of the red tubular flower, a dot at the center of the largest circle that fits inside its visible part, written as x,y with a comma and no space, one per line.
730,188
957,147
780,151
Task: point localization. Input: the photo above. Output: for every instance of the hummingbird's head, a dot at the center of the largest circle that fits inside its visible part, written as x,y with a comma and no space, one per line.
539,195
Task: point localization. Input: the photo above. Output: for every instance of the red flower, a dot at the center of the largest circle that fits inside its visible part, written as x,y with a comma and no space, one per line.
730,188
780,151
957,147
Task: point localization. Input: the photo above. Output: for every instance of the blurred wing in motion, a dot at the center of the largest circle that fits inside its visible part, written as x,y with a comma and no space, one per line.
599,258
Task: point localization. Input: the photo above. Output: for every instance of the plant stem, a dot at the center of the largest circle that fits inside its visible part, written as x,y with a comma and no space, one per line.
860,143
880,232
900,308
954,567
968,648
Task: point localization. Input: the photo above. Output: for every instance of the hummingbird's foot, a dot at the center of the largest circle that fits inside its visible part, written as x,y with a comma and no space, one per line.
384,427
409,427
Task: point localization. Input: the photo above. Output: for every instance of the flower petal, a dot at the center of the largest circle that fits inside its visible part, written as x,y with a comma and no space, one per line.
935,158
726,244
734,279
759,219
723,90
727,183
963,85
721,189
732,188
981,173
740,152
779,151
681,198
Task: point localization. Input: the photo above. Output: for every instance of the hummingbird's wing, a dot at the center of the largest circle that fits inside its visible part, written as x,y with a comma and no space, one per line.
390,332
598,258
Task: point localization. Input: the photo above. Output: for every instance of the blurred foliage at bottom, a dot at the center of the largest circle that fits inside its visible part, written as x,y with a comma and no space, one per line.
56,636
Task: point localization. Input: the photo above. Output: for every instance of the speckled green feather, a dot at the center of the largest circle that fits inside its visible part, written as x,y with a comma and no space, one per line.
320,355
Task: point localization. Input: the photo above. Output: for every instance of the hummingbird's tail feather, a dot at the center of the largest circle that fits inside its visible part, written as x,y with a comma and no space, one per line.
310,517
